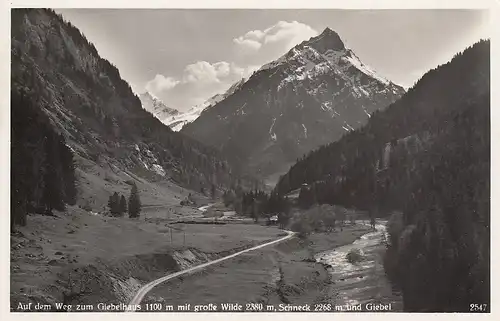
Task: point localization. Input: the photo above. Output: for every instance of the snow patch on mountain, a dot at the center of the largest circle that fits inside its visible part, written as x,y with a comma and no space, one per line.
143,163
159,170
354,60
327,106
277,62
312,64
273,135
240,110
333,56
349,127
156,107
178,121
367,113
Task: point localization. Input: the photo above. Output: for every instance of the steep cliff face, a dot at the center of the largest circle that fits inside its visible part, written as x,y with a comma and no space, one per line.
312,95
95,109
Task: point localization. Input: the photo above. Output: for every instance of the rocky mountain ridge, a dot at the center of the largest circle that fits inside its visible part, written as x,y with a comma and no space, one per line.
178,120
156,107
312,95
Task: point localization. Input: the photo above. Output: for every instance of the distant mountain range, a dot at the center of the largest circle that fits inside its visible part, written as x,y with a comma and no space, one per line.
176,119
156,107
312,95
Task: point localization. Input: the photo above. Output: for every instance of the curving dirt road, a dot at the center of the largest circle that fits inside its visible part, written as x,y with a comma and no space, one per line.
148,287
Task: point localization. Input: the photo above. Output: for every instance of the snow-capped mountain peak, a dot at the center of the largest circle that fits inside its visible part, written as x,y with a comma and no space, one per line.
322,54
178,120
312,95
156,107
327,40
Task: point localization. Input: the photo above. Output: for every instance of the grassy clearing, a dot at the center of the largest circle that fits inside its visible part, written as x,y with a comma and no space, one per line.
98,182
286,271
45,250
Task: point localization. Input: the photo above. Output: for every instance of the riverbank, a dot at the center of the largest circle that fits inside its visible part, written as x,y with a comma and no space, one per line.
361,285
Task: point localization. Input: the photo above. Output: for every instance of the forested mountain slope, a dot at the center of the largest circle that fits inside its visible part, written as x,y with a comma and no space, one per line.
427,157
84,99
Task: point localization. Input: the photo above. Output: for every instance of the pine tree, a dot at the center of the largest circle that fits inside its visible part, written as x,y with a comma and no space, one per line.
114,204
110,204
19,188
228,198
306,197
212,191
53,193
20,159
255,210
283,219
134,203
123,205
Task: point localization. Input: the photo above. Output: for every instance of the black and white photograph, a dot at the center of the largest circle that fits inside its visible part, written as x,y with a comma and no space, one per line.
272,160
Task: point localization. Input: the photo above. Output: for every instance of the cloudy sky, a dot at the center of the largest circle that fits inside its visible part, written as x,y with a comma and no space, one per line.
186,56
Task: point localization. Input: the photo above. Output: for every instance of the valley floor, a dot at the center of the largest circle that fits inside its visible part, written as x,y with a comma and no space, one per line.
84,257
283,274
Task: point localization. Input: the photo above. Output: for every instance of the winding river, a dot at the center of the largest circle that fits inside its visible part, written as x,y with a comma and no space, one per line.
363,284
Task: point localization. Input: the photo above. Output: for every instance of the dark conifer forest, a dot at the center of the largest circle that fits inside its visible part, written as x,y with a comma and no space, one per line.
42,172
425,164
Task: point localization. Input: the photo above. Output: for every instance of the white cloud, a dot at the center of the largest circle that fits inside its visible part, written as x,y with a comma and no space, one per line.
222,68
200,71
205,72
198,82
161,83
251,45
255,34
286,34
201,80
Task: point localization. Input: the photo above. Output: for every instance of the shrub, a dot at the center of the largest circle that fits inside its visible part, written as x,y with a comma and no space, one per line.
302,227
395,227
